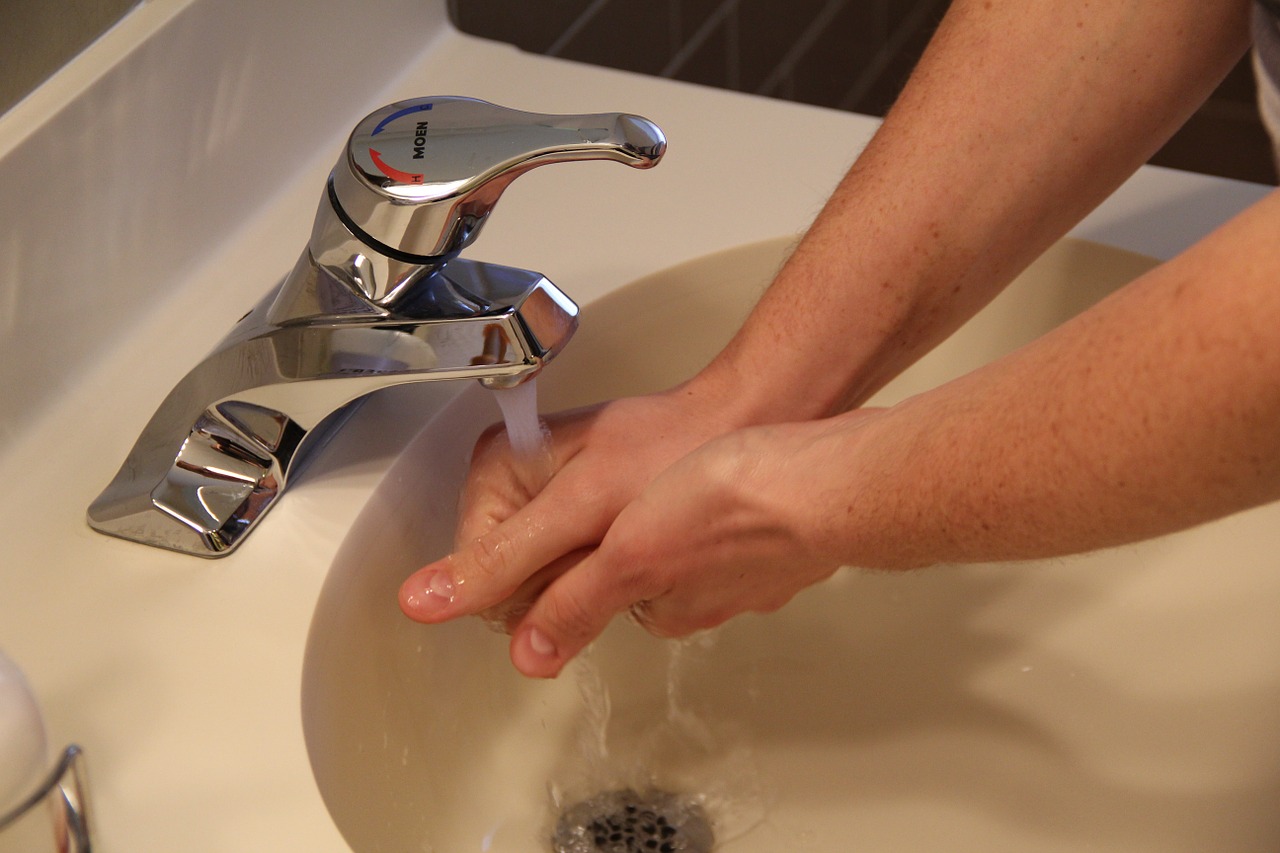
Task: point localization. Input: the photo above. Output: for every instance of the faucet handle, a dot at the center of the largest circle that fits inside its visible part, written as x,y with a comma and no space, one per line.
419,177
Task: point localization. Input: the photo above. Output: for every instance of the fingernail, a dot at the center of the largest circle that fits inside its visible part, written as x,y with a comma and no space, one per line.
535,655
429,594
540,644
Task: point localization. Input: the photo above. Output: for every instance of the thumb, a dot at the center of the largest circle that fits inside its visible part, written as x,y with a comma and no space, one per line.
572,612
488,569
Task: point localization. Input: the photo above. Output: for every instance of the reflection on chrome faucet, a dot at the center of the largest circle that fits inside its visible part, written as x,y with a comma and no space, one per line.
378,298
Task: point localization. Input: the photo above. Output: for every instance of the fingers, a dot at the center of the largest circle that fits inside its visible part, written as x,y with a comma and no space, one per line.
508,613
674,591
492,567
572,612
527,537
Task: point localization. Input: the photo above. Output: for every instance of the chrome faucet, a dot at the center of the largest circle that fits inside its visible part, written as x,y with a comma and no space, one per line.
378,298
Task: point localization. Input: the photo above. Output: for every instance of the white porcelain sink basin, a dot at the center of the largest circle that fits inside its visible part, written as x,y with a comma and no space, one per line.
1120,701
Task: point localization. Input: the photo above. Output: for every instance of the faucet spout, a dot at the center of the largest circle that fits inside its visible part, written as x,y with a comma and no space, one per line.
222,445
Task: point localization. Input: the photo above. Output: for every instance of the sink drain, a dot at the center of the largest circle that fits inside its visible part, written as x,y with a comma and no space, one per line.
629,822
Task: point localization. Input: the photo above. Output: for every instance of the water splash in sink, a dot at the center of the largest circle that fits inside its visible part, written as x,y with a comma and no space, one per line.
665,744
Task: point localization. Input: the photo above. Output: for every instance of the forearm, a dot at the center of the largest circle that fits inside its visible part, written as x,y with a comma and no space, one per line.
1019,119
1155,410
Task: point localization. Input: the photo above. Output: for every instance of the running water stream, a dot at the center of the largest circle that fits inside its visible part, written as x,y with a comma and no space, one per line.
677,749
528,437
531,463
674,746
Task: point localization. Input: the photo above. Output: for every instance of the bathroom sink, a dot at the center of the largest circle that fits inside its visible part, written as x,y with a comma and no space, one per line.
1119,701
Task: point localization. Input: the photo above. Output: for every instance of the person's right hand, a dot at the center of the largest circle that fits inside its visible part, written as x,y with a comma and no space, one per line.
523,523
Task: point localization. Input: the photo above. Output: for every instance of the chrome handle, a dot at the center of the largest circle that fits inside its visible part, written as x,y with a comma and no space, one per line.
420,177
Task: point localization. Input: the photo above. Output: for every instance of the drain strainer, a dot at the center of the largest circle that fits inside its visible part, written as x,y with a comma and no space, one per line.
630,822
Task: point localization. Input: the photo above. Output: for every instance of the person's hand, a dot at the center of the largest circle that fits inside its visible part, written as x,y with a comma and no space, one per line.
730,528
733,526
522,523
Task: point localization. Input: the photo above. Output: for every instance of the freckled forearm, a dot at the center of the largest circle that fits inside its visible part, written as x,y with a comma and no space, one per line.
1156,410
1020,118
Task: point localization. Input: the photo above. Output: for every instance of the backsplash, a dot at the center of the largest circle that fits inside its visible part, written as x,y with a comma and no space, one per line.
846,54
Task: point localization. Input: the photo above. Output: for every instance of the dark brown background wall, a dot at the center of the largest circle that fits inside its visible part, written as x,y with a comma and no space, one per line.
847,54
37,37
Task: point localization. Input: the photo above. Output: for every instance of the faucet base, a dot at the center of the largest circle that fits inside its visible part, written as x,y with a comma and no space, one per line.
203,474
227,473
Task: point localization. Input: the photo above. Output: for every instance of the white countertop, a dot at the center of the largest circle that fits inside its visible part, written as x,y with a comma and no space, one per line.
179,676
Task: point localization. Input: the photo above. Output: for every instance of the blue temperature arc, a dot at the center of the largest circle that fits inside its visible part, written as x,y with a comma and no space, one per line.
416,108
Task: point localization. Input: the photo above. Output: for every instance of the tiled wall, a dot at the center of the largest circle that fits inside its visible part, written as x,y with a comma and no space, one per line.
847,54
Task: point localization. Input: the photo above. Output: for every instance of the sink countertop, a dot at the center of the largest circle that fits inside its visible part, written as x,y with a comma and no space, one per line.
179,676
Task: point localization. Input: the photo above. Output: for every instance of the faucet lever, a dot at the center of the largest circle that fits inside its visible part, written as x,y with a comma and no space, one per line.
419,177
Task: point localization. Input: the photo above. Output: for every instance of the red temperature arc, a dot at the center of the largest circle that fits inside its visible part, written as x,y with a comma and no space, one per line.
392,172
